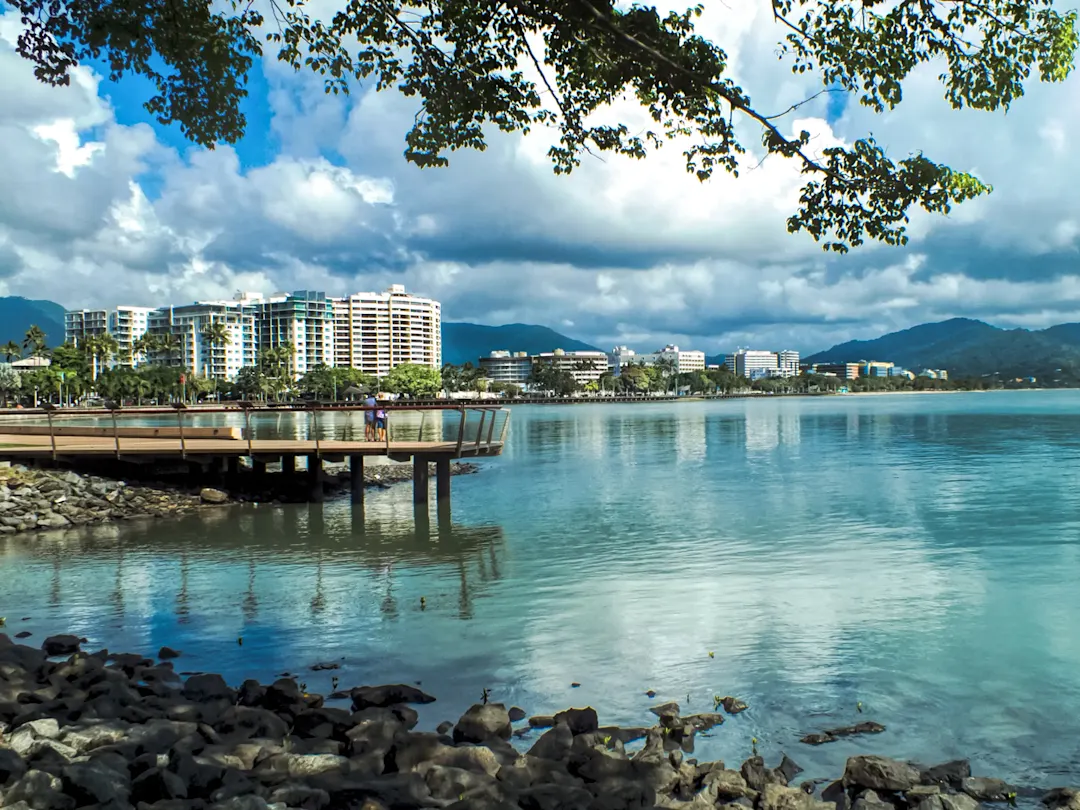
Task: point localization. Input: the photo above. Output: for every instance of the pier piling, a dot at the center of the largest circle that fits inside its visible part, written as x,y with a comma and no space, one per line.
356,476
420,479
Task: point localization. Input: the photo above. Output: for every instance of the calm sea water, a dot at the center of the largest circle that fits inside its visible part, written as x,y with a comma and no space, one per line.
919,555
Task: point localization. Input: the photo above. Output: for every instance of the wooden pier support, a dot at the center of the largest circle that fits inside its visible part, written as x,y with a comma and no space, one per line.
288,465
356,478
314,473
258,467
420,479
233,464
442,480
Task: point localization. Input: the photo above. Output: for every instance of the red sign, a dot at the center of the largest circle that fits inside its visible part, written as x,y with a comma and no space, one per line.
183,379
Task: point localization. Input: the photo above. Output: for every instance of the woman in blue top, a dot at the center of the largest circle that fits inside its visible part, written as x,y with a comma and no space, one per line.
369,418
380,423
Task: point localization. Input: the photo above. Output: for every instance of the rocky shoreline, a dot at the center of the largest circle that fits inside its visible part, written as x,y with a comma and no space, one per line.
37,499
119,731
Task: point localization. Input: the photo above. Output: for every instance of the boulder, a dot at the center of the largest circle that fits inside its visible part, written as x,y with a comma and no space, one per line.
579,721
40,790
94,783
541,721
758,776
958,801
210,495
167,653
207,687
301,796
1056,799
781,797
869,800
447,782
483,721
788,769
669,708
728,785
950,774
555,797
554,743
517,714
364,697
12,766
61,645
985,789
732,705
880,773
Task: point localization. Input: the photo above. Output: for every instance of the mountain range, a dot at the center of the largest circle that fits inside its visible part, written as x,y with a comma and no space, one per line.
467,342
19,314
970,348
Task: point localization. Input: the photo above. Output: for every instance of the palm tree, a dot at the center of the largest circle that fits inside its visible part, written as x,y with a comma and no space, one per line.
168,344
101,349
214,334
143,346
11,349
35,341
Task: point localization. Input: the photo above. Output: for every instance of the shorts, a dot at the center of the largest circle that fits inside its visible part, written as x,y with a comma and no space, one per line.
380,423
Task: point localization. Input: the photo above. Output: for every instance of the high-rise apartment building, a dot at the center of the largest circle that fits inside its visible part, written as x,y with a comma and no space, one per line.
374,332
302,320
194,347
126,324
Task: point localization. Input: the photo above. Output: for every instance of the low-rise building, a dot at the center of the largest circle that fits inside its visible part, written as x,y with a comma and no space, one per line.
513,368
845,371
680,360
585,366
755,364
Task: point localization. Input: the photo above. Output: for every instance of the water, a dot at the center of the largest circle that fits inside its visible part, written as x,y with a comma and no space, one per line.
915,554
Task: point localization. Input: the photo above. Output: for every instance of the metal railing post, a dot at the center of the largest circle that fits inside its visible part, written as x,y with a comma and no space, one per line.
48,406
480,431
420,434
315,426
505,427
491,429
386,427
180,408
461,431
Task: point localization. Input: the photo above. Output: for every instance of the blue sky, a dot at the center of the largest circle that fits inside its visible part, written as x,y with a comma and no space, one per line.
111,208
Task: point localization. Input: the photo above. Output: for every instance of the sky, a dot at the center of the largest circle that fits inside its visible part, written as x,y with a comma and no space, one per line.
103,206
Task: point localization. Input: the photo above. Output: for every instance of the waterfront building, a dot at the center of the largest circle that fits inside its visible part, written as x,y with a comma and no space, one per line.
875,368
619,358
755,364
126,324
934,373
585,366
682,360
845,371
302,320
512,368
189,327
374,332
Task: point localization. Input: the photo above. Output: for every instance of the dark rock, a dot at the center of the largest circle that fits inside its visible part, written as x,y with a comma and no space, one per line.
757,776
623,735
732,705
12,766
555,797
483,721
579,721
23,634
1056,799
788,769
818,739
166,653
364,697
704,721
669,708
299,795
326,665
541,721
40,790
728,785
950,774
93,782
445,727
985,789
517,714
880,773
206,687
251,693
870,800
61,645
554,743
837,794
209,495
782,797
446,782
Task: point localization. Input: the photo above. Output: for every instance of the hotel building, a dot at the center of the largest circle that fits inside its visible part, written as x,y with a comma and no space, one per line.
374,332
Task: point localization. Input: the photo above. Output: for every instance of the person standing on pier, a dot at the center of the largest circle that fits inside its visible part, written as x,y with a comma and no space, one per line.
369,418
380,422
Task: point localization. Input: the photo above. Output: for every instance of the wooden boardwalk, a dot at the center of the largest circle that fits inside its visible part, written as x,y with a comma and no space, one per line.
214,448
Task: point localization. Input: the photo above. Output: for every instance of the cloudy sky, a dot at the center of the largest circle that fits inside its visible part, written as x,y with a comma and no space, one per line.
103,206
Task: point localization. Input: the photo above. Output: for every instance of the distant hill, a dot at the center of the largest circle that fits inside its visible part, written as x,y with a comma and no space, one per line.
19,314
970,348
468,342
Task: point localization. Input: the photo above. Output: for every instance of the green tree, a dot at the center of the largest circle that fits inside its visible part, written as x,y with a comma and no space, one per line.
143,347
34,341
413,380
250,383
167,345
11,350
9,384
462,60
215,335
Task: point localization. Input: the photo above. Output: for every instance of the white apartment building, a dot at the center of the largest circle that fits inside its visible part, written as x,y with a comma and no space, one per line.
682,361
189,325
619,358
754,364
507,367
584,367
125,323
376,331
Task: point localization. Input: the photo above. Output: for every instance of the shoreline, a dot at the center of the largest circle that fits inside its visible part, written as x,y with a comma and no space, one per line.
120,731
38,499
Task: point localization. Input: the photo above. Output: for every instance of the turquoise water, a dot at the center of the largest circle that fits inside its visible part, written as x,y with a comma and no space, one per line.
919,555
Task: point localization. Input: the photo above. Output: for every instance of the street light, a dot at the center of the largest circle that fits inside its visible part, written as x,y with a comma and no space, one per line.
113,407
180,407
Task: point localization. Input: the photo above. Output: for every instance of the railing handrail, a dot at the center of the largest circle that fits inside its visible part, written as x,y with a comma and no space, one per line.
395,405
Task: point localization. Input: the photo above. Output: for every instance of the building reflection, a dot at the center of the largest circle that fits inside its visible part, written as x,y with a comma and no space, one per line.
305,560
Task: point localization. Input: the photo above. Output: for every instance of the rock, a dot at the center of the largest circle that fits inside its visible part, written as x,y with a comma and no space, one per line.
302,796
781,797
445,727
516,713
728,785
704,721
166,653
880,773
541,721
446,782
61,645
985,789
157,784
921,792
733,705
836,794
483,721
12,766
669,708
758,776
554,743
40,790
209,495
950,774
958,801
788,769
326,665
555,797
93,782
818,739
364,697
579,721
1056,799
23,634
202,688
834,734
869,800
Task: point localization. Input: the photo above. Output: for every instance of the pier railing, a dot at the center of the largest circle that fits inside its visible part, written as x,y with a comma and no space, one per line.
472,429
